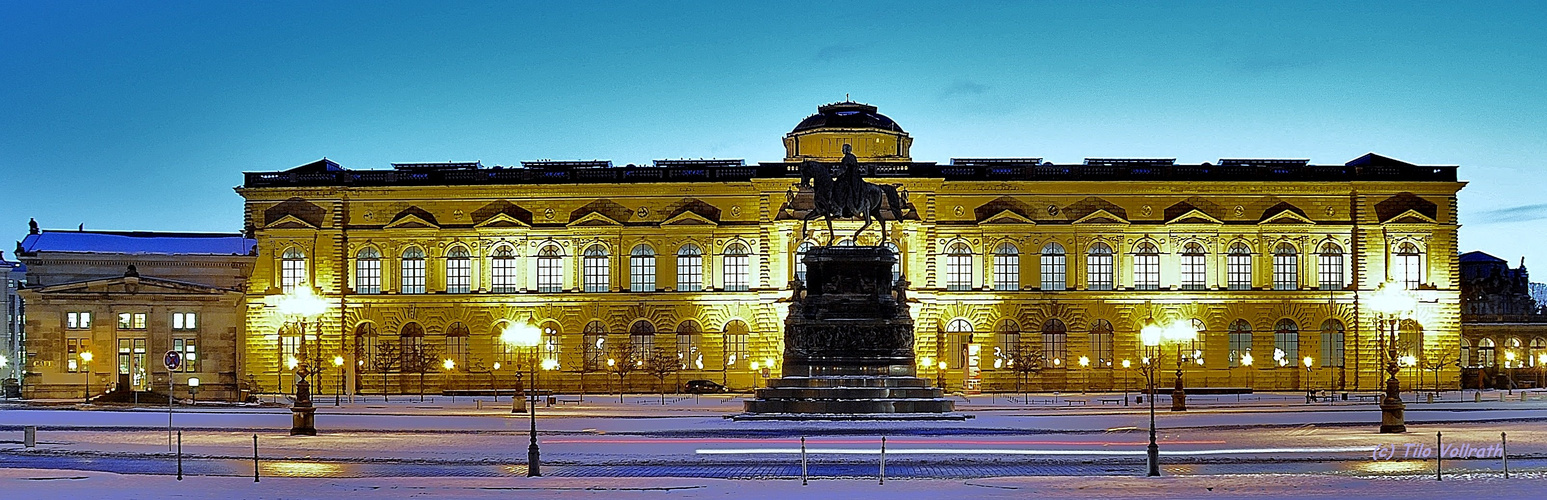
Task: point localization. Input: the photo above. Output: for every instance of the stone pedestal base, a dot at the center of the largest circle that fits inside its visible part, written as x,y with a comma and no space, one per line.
1392,420
853,397
303,421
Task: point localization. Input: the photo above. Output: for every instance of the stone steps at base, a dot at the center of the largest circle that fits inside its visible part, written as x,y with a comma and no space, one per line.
848,382
847,406
849,393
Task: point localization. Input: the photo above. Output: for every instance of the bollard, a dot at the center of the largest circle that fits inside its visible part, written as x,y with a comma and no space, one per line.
179,455
30,436
254,458
1504,445
802,461
1439,456
1430,398
1477,397
883,460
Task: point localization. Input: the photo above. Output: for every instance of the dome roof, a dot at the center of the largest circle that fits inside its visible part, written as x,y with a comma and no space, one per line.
847,114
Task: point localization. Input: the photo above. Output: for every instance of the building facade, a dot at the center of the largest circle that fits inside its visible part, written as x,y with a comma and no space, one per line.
103,307
1503,329
1270,258
13,276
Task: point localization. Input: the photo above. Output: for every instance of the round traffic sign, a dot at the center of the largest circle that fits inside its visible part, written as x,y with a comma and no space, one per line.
174,360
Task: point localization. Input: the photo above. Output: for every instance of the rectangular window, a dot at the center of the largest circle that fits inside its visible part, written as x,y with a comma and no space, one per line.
735,350
1099,270
1007,271
1286,271
502,274
1238,270
413,276
1331,271
594,269
641,269
189,349
1408,271
1054,273
1240,344
368,276
131,321
185,321
736,273
1146,272
958,271
1193,272
72,356
690,273
1332,349
550,275
292,273
78,320
459,275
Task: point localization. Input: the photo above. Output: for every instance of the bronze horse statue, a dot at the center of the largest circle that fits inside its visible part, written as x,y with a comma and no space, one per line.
848,196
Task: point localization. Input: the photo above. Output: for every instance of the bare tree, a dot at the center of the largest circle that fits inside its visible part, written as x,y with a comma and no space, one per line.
421,359
625,359
1025,361
1436,360
662,363
387,359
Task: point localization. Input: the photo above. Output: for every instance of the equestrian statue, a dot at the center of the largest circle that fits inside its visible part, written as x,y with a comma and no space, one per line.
848,195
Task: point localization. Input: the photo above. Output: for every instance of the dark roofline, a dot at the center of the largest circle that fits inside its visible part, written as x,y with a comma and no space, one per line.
148,234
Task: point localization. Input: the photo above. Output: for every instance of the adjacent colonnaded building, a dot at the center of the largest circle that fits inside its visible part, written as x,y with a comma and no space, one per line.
1273,257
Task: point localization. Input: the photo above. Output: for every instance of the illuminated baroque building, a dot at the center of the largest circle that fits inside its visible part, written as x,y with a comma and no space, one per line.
696,257
1503,330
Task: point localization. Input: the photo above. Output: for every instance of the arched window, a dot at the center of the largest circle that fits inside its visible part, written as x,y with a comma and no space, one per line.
595,348
1485,353
550,270
368,271
1146,267
897,264
1537,355
958,334
411,343
1408,266
411,272
1009,343
734,344
365,347
1410,339
1055,343
595,270
551,342
1054,268
1466,353
690,268
1329,267
734,268
689,339
1238,267
1194,271
1286,343
1331,343
641,341
958,267
456,344
641,269
800,260
1007,267
1240,341
459,271
1101,343
1512,349
292,269
1098,267
1286,267
502,270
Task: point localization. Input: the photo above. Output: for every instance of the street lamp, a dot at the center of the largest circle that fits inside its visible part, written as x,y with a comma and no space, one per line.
1150,336
338,363
520,335
1246,361
1391,303
86,361
1127,369
1309,392
526,335
193,389
301,305
940,374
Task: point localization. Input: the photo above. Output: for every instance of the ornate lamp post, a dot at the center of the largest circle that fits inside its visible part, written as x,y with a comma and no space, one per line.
338,363
1150,336
1127,369
1246,361
300,306
519,336
526,335
86,360
1309,391
940,373
1391,304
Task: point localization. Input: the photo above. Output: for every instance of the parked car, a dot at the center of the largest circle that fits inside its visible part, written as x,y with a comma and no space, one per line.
702,387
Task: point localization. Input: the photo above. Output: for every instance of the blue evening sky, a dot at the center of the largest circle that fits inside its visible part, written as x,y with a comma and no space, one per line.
142,115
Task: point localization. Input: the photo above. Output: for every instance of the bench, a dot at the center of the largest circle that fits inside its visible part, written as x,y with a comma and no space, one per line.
565,401
1369,397
1114,401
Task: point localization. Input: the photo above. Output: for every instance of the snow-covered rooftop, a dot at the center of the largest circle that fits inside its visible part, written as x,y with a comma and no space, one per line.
138,242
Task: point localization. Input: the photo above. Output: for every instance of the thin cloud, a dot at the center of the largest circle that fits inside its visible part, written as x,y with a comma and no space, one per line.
963,88
1521,213
834,52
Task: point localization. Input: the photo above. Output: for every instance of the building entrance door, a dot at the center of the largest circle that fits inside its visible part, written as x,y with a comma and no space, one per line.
131,364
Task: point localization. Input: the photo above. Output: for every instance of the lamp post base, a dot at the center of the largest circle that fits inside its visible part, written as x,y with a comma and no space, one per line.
1391,416
1178,400
303,421
1153,459
533,462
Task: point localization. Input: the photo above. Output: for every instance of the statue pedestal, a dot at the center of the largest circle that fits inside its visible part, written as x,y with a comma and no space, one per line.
848,345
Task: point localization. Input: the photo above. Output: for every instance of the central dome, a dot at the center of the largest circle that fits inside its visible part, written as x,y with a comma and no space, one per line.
847,114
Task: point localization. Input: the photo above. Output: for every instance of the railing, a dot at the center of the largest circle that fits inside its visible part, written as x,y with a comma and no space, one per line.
995,172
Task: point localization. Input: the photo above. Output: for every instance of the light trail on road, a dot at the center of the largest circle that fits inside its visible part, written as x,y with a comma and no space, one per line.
1007,451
